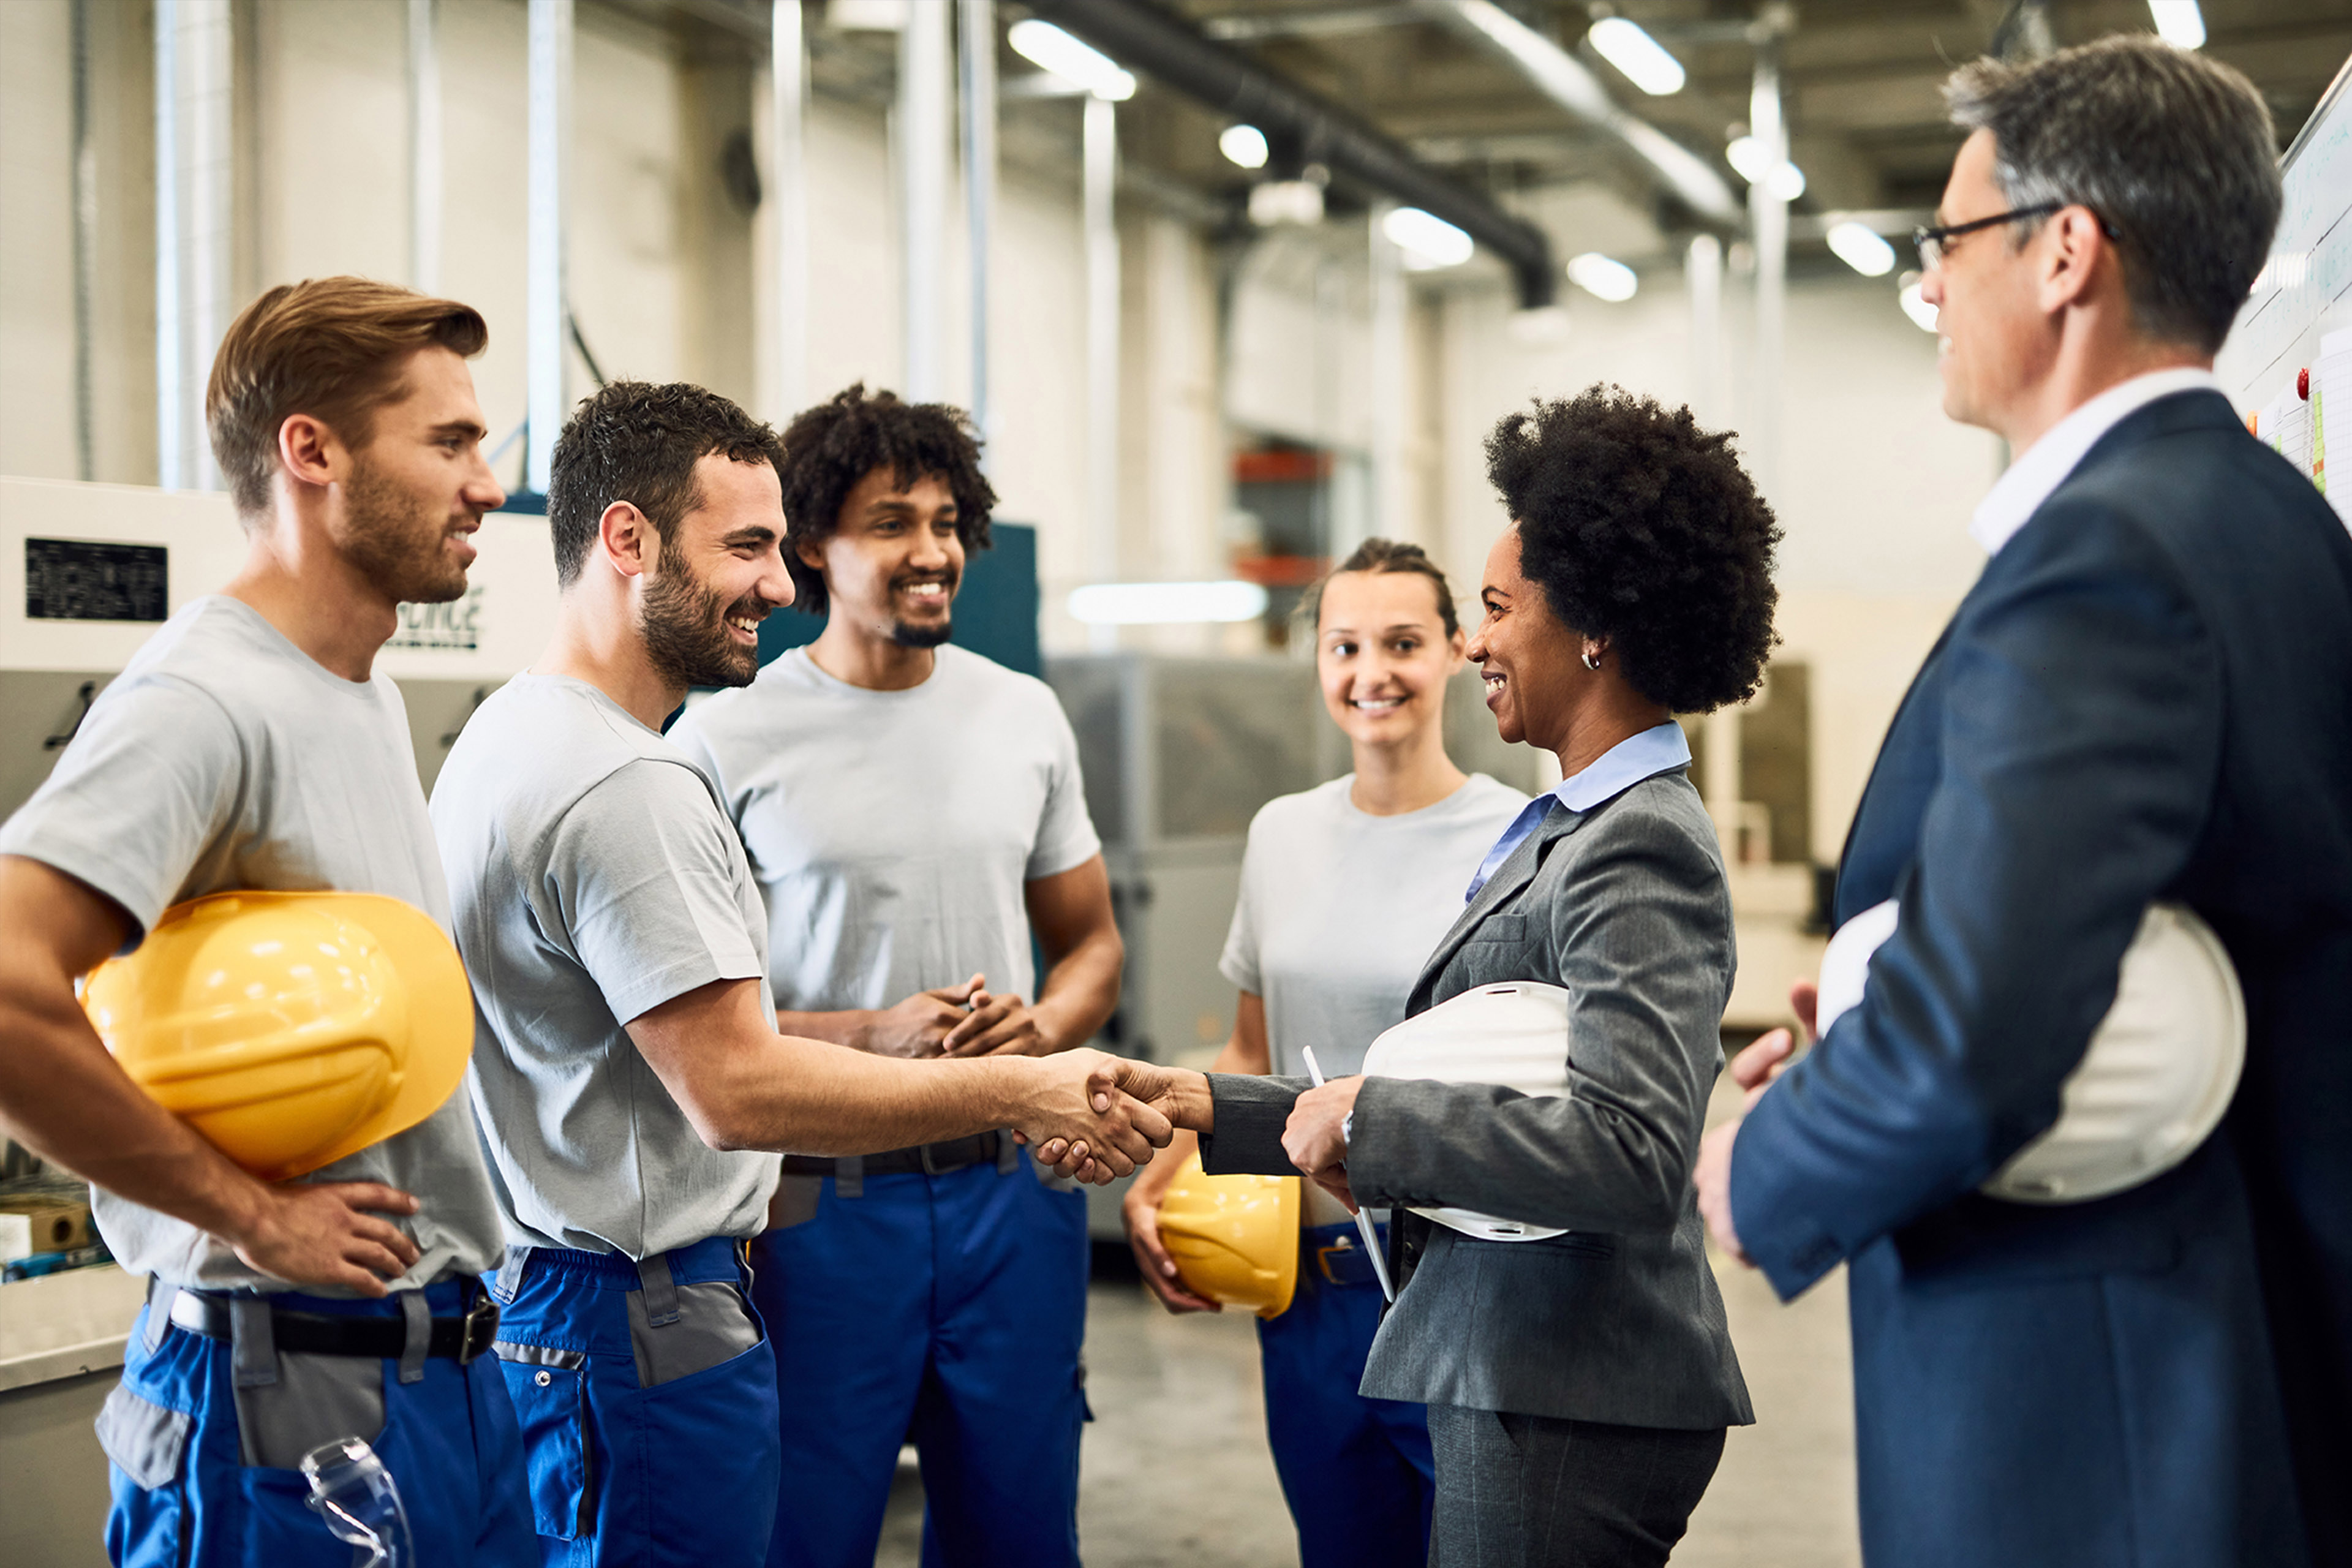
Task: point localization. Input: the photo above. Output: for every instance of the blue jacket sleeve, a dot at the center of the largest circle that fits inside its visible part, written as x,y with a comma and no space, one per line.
2081,736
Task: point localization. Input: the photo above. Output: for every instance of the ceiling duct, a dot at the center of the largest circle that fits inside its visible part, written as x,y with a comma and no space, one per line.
1147,38
1567,82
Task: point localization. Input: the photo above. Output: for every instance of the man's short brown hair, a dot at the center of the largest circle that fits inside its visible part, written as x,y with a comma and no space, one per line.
329,347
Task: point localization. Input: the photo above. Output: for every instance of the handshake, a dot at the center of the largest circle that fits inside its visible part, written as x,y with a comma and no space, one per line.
1097,1117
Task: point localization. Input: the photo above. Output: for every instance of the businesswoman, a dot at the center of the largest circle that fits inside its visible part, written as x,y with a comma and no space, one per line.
1345,889
1578,1387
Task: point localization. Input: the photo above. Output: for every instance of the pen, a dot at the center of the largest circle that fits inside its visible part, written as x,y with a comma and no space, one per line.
1364,1226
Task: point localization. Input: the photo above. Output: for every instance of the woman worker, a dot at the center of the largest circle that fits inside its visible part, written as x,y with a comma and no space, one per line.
1345,889
1578,1387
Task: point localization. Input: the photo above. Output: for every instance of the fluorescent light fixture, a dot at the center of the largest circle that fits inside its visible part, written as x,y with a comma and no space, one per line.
1861,247
1747,155
1644,60
1166,603
1245,145
2179,23
1604,276
866,15
1428,241
1922,315
1048,47
1273,201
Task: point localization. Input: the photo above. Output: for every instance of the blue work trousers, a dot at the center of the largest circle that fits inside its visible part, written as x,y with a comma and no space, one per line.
647,1398
946,1310
1357,1472
184,1497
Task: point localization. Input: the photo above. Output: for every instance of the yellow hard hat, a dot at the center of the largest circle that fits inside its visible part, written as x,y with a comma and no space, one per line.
1234,1238
290,1029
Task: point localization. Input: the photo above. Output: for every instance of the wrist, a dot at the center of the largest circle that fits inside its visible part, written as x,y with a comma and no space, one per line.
1196,1101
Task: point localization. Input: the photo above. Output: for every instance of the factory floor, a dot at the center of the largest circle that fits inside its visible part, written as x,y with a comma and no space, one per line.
1176,1471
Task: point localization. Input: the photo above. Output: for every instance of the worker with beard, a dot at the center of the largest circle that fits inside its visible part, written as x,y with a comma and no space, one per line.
254,744
913,812
632,1069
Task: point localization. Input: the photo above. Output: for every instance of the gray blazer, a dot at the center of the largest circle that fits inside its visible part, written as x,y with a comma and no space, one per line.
1619,1321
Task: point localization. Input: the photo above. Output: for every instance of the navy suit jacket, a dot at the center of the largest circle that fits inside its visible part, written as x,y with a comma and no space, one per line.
2148,695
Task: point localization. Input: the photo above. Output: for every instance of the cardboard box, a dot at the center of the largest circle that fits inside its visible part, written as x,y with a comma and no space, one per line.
30,1224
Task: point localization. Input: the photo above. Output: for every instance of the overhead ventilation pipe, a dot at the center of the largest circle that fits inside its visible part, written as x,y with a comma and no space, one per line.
1144,37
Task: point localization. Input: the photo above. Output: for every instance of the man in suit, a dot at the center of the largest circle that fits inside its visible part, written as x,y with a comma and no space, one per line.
2146,696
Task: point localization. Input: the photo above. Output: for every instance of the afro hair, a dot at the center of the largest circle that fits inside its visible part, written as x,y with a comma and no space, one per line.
830,448
1644,530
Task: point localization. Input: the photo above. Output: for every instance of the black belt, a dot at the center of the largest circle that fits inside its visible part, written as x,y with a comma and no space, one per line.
320,1333
931,1158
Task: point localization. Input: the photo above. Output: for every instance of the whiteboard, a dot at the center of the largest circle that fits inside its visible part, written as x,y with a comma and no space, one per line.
2287,364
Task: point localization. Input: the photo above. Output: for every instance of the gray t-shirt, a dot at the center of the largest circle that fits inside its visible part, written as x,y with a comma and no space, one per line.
225,758
1339,910
893,831
594,879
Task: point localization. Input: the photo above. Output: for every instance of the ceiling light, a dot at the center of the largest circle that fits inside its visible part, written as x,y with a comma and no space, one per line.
1604,276
1861,247
1747,155
1166,603
1428,241
1624,44
1245,145
1273,201
1048,47
2179,23
1922,315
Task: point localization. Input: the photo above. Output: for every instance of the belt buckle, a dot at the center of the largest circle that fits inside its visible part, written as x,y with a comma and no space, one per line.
923,1158
481,1321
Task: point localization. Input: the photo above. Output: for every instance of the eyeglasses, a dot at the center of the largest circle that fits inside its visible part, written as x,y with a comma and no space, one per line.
1935,244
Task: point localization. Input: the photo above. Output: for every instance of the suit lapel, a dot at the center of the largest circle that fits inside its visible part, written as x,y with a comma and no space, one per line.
1512,876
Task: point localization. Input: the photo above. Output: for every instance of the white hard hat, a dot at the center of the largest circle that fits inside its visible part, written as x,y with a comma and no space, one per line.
2154,1083
1514,1035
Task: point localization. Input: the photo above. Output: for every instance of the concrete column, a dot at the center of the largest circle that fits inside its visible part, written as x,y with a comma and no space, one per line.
193,223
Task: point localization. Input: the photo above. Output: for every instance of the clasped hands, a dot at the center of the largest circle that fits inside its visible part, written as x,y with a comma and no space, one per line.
1314,1137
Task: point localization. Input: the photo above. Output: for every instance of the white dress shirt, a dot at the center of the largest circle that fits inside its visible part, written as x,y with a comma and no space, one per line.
2042,468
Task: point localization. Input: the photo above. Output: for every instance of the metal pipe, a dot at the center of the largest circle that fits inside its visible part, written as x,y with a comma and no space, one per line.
1769,222
925,93
1100,157
1150,39
85,253
545,308
423,148
1703,273
788,195
1387,378
977,57
1563,78
193,223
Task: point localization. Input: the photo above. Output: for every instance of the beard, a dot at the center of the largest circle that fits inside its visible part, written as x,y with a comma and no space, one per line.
927,634
685,627
932,636
395,539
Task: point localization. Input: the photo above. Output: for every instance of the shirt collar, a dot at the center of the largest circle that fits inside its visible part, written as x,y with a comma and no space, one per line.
2019,493
1623,765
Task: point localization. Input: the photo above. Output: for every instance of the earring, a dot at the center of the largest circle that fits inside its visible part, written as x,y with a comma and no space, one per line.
1590,661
